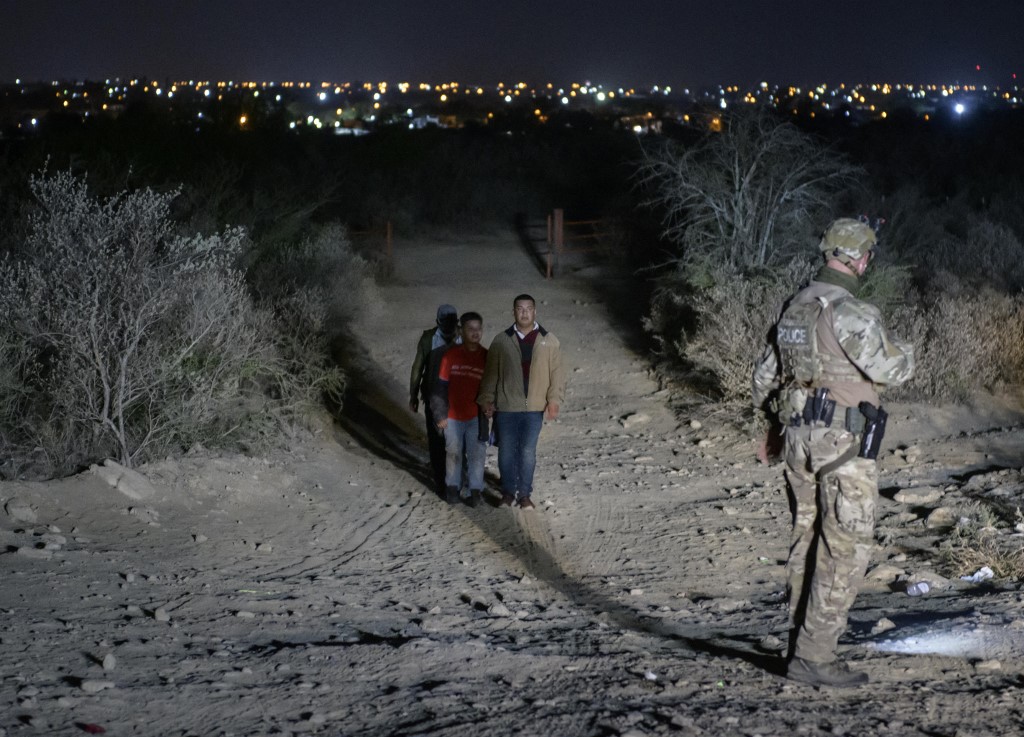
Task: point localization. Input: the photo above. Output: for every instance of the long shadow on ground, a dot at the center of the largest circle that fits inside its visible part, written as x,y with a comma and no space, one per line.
384,427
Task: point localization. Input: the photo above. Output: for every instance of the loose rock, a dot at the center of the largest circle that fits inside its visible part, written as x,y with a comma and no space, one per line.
902,518
919,495
91,686
940,518
934,580
988,666
36,553
633,419
145,514
20,510
885,573
883,625
130,483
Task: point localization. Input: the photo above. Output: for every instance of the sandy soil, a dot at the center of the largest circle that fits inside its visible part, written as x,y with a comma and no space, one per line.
325,590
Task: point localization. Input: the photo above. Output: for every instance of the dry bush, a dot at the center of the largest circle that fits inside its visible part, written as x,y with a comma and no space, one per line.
950,236
889,287
731,315
982,253
965,342
124,339
326,270
993,252
976,541
316,288
914,227
743,197
737,206
306,376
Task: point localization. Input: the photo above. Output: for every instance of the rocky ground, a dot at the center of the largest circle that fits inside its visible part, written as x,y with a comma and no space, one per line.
324,589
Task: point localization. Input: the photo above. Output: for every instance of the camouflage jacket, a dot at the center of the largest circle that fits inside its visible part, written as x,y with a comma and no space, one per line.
852,354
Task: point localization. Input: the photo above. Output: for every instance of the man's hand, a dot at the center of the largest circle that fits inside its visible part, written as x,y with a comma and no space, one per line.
414,405
551,411
489,409
442,424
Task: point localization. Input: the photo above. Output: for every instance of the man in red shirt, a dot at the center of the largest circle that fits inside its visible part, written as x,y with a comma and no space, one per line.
454,401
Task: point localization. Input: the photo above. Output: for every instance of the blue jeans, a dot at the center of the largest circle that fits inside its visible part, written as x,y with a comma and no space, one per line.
517,450
462,436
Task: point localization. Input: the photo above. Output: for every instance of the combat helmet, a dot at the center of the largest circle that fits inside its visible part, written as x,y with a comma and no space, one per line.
847,239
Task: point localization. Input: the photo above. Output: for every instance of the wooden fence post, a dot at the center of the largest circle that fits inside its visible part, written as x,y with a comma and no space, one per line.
558,227
550,245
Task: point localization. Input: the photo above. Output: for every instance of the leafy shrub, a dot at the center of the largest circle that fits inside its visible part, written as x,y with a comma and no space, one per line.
125,339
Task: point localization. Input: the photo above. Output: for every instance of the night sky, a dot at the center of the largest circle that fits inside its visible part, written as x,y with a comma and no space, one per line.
476,42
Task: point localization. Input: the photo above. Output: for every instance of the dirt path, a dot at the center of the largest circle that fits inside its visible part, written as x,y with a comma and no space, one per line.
327,591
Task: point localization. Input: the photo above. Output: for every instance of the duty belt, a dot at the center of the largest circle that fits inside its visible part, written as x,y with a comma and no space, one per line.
865,420
819,408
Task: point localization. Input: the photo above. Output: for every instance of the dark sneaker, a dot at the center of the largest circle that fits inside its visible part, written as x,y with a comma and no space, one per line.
525,503
451,495
506,500
475,498
824,674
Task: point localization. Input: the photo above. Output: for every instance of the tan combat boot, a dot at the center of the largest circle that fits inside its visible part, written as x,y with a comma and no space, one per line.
824,674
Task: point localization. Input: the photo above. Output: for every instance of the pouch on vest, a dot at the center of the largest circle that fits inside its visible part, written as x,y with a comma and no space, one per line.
798,343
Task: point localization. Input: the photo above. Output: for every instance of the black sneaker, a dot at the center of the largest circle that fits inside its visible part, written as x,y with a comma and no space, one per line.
824,674
506,500
475,498
451,495
525,503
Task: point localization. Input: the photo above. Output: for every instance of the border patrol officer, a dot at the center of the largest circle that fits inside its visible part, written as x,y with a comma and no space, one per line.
828,358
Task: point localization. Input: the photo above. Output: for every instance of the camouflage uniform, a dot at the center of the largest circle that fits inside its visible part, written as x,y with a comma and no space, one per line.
826,337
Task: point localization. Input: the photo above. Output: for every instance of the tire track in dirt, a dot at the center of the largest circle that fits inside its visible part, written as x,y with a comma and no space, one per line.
614,432
357,536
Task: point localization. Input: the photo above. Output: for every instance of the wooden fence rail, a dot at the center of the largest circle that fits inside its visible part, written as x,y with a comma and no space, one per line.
566,236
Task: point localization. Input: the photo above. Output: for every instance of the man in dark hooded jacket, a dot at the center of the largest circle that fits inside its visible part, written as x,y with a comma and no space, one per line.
430,349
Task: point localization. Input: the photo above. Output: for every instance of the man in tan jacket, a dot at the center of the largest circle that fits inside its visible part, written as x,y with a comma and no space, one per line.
523,383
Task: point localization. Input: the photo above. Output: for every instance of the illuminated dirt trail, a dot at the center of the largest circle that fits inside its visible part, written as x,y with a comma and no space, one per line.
324,589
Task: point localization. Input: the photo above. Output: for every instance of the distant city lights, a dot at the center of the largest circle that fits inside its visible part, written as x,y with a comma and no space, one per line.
348,108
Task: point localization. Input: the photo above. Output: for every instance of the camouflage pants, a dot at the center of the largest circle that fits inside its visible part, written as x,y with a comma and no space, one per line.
833,526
